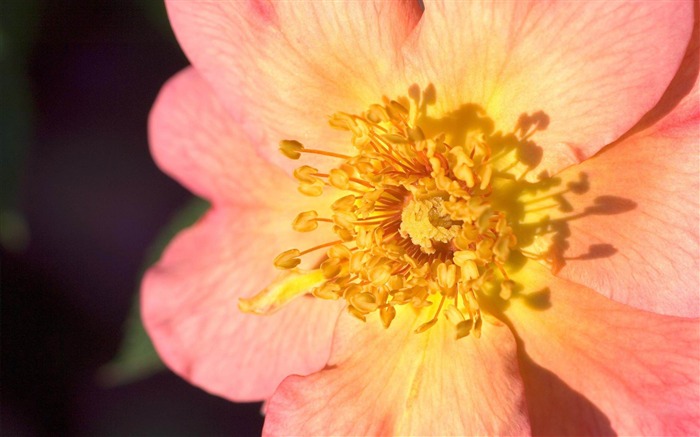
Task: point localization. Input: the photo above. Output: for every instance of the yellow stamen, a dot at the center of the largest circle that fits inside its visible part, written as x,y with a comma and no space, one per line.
414,216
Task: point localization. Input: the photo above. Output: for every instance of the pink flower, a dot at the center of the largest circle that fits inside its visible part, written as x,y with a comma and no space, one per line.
586,283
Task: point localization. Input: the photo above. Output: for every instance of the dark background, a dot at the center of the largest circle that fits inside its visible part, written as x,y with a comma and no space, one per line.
81,202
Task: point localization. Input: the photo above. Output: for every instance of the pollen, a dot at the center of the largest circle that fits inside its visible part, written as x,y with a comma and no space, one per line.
427,221
413,214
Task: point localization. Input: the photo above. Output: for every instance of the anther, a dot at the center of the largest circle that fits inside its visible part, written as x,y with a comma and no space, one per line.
305,221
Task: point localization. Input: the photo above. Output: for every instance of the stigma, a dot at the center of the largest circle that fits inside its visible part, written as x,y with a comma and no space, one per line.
413,216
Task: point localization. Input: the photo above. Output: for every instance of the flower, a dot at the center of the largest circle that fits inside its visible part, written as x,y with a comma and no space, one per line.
578,123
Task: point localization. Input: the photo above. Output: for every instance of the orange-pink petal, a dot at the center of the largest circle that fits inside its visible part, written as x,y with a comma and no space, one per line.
190,297
396,382
282,68
592,366
642,207
594,67
194,140
189,307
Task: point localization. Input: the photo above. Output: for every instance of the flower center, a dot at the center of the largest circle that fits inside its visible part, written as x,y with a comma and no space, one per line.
426,222
413,217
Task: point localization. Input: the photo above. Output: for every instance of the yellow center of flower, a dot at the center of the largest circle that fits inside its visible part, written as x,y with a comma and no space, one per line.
414,217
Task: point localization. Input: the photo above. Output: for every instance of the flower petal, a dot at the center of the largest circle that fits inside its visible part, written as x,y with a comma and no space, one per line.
679,104
190,298
609,368
594,67
283,67
642,207
189,307
396,382
197,142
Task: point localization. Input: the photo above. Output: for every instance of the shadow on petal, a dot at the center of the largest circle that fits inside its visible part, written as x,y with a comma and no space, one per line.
555,409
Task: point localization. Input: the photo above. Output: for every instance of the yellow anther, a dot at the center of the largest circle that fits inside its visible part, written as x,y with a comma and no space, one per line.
305,221
379,275
345,203
309,184
446,275
365,302
396,110
377,114
425,326
394,138
342,121
345,219
484,249
339,179
328,291
306,173
351,290
463,328
345,234
357,262
465,173
288,259
396,282
339,251
314,189
331,268
355,312
469,271
485,176
436,165
461,257
387,314
291,148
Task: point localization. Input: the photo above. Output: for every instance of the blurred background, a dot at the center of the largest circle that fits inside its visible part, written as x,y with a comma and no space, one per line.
83,210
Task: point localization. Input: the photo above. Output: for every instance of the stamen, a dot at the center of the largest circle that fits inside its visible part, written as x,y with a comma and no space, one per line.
415,218
293,149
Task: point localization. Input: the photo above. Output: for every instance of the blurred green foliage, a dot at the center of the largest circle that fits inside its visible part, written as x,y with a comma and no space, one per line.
18,32
137,358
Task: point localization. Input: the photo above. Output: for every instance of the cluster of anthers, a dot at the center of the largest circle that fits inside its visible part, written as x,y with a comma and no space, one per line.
416,226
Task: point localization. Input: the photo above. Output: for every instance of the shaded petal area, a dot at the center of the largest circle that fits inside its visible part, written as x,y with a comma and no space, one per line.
594,67
624,370
642,205
189,299
396,382
283,67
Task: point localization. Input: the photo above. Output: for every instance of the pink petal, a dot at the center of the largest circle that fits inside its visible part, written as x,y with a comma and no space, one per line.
283,67
679,104
190,297
396,382
592,366
594,67
643,208
197,142
189,307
